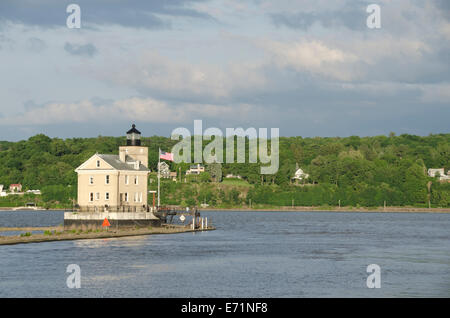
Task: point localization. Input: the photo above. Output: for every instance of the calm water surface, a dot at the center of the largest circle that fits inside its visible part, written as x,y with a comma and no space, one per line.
251,254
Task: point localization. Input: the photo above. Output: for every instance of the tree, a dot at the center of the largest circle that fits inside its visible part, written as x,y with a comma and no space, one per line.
205,177
215,171
415,185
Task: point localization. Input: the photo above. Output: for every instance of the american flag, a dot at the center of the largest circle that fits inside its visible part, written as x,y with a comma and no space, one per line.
166,156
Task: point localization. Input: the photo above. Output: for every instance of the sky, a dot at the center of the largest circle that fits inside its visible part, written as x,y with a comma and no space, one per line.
309,68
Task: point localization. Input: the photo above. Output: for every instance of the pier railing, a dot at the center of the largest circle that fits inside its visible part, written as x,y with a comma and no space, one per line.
169,215
127,209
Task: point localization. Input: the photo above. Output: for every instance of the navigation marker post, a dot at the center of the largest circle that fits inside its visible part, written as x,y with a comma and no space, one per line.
106,223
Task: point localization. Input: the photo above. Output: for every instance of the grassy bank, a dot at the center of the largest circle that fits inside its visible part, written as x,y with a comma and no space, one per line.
231,194
21,200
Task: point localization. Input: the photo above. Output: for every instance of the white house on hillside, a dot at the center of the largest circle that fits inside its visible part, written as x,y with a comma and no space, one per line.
232,176
436,172
34,191
15,187
300,175
440,173
195,169
164,170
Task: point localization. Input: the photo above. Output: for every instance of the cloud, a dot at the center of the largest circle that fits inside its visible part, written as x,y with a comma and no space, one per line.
444,7
5,42
351,16
78,49
314,57
36,45
283,67
147,110
436,93
154,75
132,13
317,70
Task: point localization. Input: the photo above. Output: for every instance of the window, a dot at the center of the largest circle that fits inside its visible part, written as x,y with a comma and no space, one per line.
107,196
91,180
136,180
98,163
91,196
126,180
136,197
107,179
97,196
140,197
126,196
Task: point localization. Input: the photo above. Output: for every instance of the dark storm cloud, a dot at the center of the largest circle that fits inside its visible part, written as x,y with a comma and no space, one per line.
131,13
78,49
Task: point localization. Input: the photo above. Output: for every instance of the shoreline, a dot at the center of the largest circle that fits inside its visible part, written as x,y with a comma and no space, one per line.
30,209
68,236
388,209
333,209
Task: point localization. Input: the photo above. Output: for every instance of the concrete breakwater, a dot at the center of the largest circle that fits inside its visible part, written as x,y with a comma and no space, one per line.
98,234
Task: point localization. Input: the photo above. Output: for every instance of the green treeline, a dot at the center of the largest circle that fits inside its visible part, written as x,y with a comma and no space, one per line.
358,171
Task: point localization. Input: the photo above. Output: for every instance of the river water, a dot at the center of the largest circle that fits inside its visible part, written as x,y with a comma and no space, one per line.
251,254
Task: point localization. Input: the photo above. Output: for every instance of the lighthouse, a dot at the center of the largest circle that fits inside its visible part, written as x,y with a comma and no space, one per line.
133,136
114,187
134,150
115,182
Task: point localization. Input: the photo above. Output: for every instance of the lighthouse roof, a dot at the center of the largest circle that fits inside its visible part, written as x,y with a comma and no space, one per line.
133,130
115,162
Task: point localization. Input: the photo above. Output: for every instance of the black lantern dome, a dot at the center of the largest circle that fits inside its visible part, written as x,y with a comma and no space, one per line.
133,136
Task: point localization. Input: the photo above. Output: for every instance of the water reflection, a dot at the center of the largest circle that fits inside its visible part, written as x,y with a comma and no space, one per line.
125,241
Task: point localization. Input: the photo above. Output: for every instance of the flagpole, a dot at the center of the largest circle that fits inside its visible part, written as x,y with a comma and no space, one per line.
159,176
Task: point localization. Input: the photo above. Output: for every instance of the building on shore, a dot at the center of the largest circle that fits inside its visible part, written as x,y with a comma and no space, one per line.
436,172
195,169
232,176
300,175
37,192
15,187
173,176
164,170
439,173
115,182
